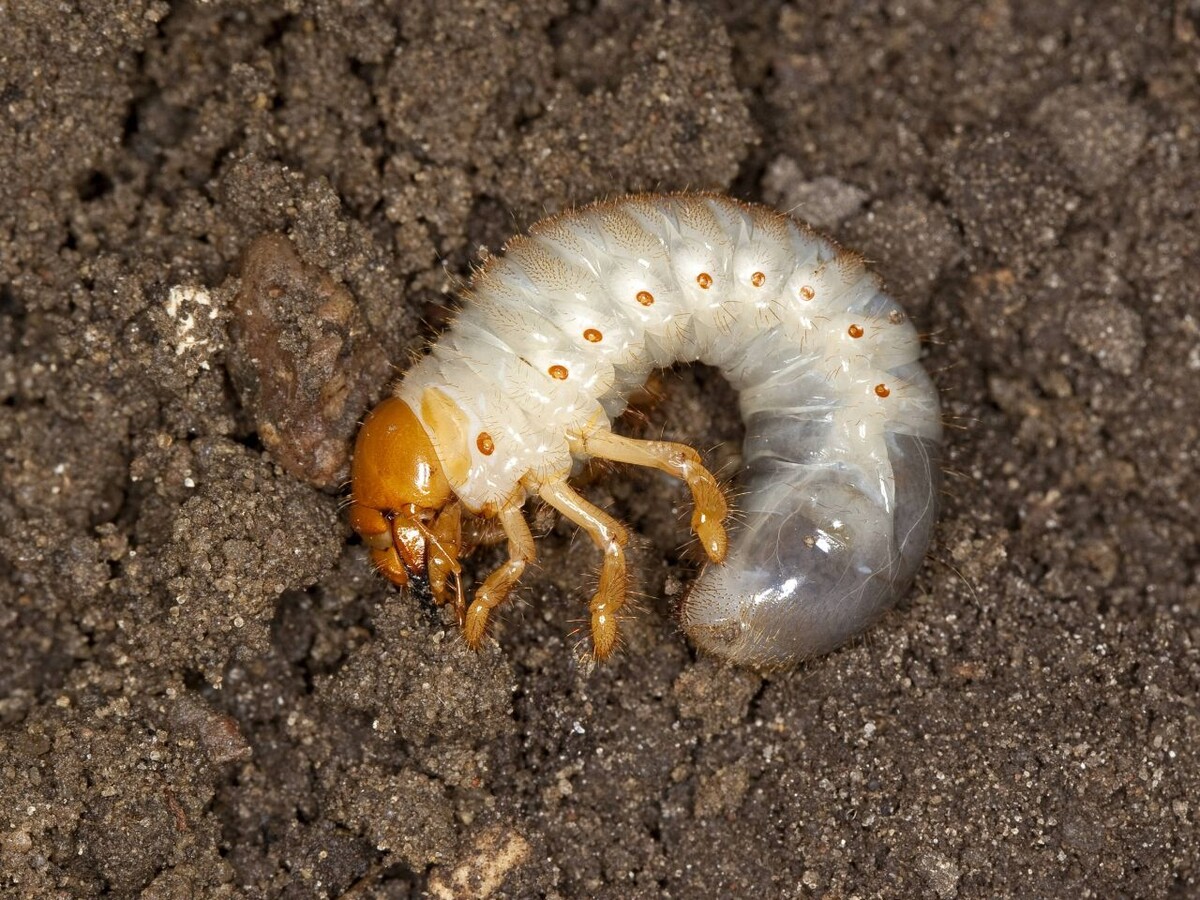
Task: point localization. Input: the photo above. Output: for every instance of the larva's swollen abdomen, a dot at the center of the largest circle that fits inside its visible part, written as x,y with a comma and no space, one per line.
843,430
817,558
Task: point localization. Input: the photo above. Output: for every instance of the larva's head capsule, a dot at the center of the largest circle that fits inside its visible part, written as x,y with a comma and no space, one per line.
397,491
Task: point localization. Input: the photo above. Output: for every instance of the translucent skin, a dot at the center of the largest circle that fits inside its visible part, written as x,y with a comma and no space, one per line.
843,425
817,557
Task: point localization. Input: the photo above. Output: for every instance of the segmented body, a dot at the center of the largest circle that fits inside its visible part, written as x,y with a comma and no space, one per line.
843,426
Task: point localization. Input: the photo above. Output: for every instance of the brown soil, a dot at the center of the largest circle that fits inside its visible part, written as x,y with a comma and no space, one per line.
205,691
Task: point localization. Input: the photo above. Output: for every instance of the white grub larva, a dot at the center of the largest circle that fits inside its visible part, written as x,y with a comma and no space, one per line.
843,429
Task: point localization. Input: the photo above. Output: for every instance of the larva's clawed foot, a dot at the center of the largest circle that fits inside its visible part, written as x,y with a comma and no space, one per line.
611,537
492,593
712,537
610,595
604,635
708,518
496,588
684,463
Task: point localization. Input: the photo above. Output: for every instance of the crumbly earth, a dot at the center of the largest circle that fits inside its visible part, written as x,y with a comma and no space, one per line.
206,692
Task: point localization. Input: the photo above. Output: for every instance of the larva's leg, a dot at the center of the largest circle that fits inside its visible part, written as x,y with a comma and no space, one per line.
493,591
611,537
685,464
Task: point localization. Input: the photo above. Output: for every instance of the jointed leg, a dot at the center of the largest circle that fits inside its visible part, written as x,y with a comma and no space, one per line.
491,593
685,464
611,537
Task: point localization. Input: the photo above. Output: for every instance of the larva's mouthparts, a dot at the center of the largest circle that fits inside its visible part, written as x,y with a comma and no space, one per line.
842,438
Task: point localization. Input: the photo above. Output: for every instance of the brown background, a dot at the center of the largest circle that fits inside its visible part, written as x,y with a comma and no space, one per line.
204,691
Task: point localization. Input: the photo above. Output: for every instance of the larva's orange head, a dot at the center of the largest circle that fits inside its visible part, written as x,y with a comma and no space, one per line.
397,490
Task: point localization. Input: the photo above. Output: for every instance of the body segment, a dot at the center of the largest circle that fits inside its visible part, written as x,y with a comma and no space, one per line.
843,425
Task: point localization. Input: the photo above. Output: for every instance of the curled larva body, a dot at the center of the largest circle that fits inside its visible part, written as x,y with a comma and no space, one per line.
843,427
